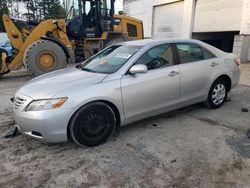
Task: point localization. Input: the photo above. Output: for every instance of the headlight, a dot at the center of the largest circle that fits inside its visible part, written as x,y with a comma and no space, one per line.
45,104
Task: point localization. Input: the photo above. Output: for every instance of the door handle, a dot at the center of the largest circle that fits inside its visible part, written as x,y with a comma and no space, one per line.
173,73
214,64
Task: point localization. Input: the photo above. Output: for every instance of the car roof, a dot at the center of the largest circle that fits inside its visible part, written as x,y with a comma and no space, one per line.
152,42
146,42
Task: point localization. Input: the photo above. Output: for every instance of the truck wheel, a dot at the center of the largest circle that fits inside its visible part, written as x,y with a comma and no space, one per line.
44,56
92,124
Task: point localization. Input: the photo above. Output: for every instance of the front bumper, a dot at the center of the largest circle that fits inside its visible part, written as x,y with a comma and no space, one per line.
48,125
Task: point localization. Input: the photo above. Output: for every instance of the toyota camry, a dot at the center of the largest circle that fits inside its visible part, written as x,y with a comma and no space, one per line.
122,84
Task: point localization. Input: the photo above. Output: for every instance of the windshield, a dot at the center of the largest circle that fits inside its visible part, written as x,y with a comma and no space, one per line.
110,59
72,8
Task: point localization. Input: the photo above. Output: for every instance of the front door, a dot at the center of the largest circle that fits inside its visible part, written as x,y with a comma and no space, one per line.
150,93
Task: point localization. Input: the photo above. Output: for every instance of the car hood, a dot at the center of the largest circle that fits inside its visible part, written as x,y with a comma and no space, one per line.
48,85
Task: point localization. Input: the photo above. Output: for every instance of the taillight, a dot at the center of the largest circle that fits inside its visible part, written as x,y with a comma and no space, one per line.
237,61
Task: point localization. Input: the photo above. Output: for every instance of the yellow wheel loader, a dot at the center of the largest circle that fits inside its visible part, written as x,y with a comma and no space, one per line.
90,26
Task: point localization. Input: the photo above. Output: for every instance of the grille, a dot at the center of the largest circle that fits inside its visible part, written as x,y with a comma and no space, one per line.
18,102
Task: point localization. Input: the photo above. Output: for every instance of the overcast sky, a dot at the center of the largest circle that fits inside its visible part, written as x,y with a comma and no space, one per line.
118,5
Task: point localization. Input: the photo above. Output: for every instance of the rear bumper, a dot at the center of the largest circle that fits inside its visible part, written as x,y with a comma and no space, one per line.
235,77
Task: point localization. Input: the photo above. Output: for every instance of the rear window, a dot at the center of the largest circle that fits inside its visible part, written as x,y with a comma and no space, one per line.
207,54
189,52
132,30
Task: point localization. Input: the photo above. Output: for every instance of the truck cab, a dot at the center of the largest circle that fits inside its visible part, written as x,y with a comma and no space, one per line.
89,18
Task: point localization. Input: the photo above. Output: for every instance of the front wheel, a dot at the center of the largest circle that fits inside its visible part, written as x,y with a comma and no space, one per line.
92,124
217,94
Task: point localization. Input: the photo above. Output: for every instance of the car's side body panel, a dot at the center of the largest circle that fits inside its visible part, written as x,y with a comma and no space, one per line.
151,92
108,90
195,80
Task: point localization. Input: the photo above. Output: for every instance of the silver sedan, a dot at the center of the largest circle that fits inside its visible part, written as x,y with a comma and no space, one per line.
121,84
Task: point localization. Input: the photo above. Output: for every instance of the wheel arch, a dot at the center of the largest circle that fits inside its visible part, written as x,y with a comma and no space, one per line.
110,104
226,79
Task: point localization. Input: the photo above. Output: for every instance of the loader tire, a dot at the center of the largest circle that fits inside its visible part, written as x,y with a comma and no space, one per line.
44,56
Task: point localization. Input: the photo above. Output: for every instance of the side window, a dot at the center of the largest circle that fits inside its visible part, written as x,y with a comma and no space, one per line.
189,52
207,54
132,30
157,57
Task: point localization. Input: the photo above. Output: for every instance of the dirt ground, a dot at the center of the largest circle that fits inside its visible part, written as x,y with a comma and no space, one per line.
191,147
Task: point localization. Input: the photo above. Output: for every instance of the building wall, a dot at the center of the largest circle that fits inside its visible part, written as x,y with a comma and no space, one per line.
242,41
218,16
202,16
143,10
241,47
167,20
209,15
245,22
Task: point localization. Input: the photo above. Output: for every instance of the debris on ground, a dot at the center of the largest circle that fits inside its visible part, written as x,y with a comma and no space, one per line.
173,161
12,133
248,133
244,109
154,125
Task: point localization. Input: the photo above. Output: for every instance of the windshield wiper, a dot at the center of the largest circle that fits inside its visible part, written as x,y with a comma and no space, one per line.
87,69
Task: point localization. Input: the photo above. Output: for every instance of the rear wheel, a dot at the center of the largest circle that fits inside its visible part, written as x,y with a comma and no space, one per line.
93,124
217,94
44,56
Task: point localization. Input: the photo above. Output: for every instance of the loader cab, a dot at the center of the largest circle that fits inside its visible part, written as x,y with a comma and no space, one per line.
89,18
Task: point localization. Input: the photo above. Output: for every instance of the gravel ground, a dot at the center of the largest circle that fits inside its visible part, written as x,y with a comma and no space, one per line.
191,147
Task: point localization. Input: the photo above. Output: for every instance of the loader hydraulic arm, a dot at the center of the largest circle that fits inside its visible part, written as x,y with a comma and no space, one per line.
13,33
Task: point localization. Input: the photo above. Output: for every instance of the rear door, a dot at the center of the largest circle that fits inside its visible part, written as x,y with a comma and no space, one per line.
150,93
198,67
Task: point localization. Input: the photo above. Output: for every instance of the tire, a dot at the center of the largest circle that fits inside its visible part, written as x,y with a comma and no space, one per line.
33,57
217,94
92,124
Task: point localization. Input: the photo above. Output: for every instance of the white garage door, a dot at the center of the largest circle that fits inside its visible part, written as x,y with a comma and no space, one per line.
217,16
167,20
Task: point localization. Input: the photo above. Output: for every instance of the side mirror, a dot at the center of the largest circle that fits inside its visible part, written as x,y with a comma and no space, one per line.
135,69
